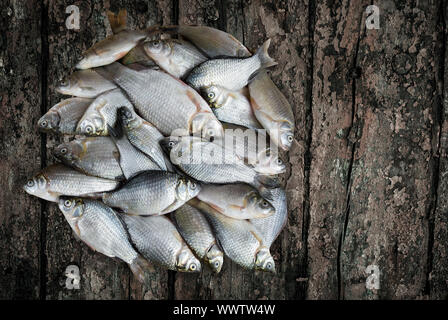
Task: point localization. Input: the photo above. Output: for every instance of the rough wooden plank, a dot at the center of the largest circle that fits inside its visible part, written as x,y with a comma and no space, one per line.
20,148
252,23
396,140
438,273
101,277
337,29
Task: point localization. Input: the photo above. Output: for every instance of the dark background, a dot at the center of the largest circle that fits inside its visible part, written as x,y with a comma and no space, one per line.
367,179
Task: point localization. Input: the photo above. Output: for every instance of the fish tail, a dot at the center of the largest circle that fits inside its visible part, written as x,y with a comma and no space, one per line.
117,21
263,55
138,267
266,181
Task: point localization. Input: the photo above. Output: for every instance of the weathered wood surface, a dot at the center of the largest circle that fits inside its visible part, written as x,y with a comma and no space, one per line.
367,175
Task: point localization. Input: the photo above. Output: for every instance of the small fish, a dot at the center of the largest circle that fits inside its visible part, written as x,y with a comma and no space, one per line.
132,160
213,42
158,241
177,57
211,162
231,106
273,110
152,193
144,136
84,83
168,103
102,113
111,49
57,180
230,73
237,201
63,117
96,156
197,232
239,239
270,227
102,230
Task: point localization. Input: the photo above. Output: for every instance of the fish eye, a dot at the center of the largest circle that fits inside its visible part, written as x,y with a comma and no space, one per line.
193,267
63,83
290,138
67,203
43,123
193,185
30,183
216,264
211,95
89,129
171,144
64,150
265,203
279,161
268,265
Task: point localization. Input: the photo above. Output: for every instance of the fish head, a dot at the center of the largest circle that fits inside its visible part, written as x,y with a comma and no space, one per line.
157,49
269,163
286,135
87,61
67,152
264,261
212,129
38,186
186,189
187,262
261,206
49,121
93,124
215,258
193,189
72,208
66,85
211,95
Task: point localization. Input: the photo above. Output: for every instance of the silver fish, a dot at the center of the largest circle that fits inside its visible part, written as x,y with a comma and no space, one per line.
132,160
158,240
239,239
101,229
57,180
212,41
231,106
96,156
197,232
84,83
144,136
63,117
177,57
238,201
152,193
169,104
270,227
273,110
211,162
230,73
102,113
138,55
111,49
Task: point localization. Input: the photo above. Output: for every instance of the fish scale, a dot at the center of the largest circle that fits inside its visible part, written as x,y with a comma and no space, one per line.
95,156
158,97
102,229
157,240
148,193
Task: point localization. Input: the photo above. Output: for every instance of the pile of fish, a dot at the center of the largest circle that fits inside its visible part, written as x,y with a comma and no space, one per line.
146,173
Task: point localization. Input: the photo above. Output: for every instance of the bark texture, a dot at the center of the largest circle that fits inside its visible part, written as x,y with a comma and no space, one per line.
367,177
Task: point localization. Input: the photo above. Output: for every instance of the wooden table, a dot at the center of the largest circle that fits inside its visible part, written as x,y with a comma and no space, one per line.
367,180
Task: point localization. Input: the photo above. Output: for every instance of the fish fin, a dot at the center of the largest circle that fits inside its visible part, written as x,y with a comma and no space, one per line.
215,207
138,267
263,55
117,21
266,181
116,133
170,207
